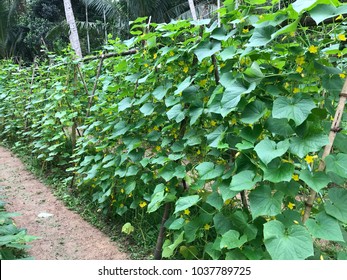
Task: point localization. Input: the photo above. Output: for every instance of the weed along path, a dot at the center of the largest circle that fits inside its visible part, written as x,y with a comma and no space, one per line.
64,235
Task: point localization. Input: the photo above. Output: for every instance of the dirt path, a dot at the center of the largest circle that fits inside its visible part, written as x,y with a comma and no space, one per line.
65,235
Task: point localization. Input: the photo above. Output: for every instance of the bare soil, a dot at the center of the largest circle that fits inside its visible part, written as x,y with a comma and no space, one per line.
63,236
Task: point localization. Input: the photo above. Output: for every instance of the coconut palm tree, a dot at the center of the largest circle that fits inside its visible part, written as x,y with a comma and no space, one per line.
10,33
74,38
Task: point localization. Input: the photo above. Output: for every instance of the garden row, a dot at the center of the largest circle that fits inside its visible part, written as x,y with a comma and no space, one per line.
212,133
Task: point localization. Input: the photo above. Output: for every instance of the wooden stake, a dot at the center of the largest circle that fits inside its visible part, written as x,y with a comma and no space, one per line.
335,128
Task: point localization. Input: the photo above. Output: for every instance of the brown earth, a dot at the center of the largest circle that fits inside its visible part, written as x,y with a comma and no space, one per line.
63,236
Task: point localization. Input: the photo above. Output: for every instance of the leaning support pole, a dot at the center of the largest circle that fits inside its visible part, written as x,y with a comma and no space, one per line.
335,128
161,235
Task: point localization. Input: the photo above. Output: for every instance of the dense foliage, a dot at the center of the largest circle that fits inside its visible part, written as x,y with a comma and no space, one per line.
13,240
219,129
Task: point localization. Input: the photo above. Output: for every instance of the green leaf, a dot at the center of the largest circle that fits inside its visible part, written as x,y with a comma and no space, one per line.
228,53
241,222
221,223
177,224
253,112
208,170
231,239
147,109
172,170
336,206
168,248
124,104
301,146
292,243
215,138
221,34
157,198
232,94
119,129
325,227
279,126
195,114
337,164
127,228
177,113
296,108
254,71
245,180
184,203
301,5
315,180
215,200
278,172
161,91
323,12
268,150
184,85
261,36
263,202
207,48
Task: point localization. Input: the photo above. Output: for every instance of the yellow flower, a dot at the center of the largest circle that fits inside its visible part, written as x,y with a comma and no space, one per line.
233,121
295,177
340,17
171,53
198,152
186,212
341,37
227,202
213,123
167,189
300,60
143,204
342,75
203,82
291,205
146,65
130,195
185,69
312,49
292,34
122,190
245,30
156,128
286,85
296,90
155,56
158,148
310,159
207,227
299,69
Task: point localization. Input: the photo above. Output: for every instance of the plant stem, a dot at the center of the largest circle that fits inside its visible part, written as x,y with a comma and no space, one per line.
160,240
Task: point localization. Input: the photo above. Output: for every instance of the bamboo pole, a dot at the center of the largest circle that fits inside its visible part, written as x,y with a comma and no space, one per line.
335,128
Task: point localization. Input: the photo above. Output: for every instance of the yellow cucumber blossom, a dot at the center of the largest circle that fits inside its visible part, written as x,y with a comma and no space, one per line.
312,49
295,177
143,204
